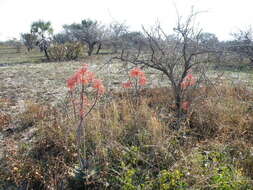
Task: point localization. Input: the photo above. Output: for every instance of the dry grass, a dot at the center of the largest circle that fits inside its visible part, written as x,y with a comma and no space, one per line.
123,137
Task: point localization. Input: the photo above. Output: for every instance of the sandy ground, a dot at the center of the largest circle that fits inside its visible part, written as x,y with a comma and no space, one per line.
43,82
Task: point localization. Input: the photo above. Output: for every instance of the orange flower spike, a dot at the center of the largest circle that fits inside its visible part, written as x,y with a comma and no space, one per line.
80,74
136,72
71,82
85,81
83,70
78,77
189,80
85,78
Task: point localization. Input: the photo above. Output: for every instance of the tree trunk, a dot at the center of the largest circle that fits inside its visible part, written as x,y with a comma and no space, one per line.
46,54
91,48
99,48
178,106
178,102
115,50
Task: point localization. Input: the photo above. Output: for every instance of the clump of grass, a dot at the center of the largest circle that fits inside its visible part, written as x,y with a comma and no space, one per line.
33,113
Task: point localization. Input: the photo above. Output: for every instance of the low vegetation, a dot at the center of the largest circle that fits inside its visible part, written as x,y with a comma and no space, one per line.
134,146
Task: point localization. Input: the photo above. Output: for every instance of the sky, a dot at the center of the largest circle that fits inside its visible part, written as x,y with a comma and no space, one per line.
221,17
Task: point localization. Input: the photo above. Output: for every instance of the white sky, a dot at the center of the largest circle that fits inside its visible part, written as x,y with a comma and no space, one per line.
222,16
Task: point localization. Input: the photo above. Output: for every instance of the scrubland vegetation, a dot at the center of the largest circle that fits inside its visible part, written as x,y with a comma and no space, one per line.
142,110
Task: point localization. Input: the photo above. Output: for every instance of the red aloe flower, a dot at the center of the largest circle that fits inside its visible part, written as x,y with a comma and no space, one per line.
71,82
189,80
136,72
83,70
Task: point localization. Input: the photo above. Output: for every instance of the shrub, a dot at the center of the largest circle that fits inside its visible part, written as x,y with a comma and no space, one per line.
57,52
65,52
74,51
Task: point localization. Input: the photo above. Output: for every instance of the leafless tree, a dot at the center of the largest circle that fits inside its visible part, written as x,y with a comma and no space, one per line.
173,55
62,38
88,32
243,43
134,40
114,35
216,49
29,40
